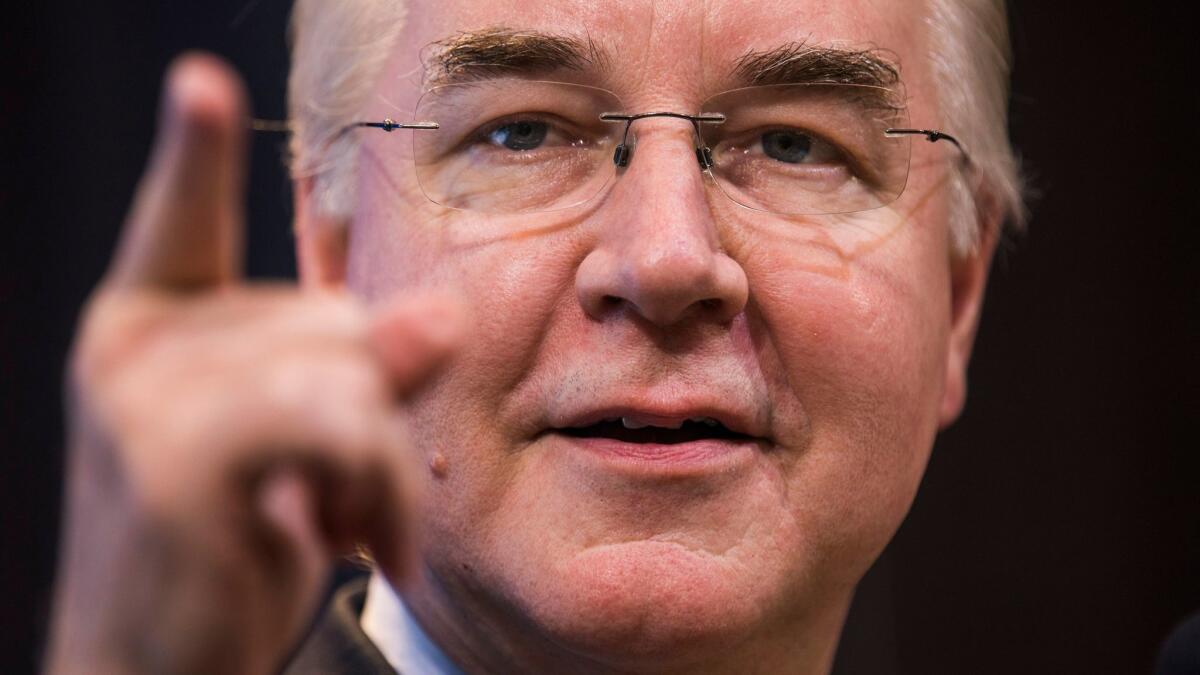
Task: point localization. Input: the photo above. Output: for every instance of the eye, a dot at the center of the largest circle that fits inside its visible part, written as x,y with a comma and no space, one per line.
520,135
792,147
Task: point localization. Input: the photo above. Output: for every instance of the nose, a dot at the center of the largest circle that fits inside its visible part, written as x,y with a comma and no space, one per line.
658,254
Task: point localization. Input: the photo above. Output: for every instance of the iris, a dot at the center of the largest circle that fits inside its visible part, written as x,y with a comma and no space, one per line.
787,146
523,135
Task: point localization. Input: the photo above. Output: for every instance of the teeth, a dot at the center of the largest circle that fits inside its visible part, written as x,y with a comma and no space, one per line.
707,421
634,423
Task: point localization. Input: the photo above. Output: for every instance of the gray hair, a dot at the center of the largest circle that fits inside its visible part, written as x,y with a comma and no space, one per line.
339,50
972,60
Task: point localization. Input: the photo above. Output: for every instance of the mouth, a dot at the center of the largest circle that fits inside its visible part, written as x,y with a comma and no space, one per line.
663,443
631,429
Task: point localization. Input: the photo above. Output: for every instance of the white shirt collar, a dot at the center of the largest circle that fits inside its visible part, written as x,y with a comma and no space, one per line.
387,621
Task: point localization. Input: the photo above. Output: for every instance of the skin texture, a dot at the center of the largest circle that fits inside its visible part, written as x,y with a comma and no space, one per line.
229,441
662,291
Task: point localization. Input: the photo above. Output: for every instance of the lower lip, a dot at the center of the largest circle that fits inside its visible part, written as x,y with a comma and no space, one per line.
696,457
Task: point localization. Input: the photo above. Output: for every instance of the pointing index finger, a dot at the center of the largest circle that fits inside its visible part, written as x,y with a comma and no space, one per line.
184,231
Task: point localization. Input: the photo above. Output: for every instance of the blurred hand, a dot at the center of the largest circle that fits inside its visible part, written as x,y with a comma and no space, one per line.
228,441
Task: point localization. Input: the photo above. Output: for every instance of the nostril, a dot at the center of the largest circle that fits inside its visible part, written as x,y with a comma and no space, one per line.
711,303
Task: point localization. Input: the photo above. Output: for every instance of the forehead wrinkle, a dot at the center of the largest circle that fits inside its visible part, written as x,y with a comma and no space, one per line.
661,65
500,52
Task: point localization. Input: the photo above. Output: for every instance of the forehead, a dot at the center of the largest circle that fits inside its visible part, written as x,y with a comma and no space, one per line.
684,46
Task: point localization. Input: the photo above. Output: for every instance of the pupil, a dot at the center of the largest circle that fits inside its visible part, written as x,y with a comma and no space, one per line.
520,135
786,146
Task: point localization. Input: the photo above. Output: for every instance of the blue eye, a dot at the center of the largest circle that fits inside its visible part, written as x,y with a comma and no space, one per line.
523,135
787,146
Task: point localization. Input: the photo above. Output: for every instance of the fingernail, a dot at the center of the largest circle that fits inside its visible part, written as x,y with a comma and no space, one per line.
195,100
180,90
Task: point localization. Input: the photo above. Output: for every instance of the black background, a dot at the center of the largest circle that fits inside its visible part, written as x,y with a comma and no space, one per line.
1058,527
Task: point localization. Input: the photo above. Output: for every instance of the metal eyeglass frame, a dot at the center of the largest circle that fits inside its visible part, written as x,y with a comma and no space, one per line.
622,153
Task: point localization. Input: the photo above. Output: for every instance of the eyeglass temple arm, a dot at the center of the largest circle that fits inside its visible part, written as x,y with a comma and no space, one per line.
933,136
389,125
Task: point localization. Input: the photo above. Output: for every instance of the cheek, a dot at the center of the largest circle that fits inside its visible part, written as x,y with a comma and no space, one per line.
861,354
515,289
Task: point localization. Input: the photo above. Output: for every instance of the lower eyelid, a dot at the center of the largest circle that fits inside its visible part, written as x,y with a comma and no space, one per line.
500,154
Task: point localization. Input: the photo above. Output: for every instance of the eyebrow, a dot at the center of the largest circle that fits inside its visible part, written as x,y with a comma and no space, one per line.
800,63
500,52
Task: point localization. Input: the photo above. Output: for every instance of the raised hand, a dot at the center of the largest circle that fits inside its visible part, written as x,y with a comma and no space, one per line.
227,440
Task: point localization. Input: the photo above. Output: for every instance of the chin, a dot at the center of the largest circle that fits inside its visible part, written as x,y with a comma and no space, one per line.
649,602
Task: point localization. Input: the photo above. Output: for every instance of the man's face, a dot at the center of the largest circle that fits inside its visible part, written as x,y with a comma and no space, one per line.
660,301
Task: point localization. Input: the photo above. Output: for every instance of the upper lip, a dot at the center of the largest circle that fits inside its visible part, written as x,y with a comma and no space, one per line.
737,421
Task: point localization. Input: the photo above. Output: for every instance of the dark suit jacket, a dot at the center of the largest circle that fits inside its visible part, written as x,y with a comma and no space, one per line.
1180,653
337,644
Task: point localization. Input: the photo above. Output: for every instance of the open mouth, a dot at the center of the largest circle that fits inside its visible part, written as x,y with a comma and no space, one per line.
630,431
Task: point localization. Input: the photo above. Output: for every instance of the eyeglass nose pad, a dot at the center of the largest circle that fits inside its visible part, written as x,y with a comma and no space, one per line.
621,155
704,156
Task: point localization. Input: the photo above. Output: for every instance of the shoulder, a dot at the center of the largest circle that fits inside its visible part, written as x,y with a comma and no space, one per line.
1180,653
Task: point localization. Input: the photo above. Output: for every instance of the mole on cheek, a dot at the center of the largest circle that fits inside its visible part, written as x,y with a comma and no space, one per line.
438,465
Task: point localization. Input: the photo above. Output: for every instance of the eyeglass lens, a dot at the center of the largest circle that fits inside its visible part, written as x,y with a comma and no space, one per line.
520,146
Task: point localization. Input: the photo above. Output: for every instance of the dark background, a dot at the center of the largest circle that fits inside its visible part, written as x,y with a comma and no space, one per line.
1058,528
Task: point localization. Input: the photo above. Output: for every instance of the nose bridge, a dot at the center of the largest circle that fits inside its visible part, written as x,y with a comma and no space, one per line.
654,125
659,252
667,186
662,119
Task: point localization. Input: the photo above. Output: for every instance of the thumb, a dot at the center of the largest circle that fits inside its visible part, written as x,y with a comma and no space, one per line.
413,335
185,228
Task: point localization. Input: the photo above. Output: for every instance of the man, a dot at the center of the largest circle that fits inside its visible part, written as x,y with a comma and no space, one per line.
623,334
